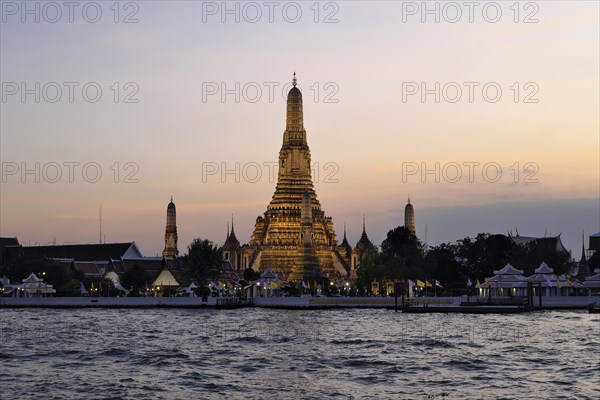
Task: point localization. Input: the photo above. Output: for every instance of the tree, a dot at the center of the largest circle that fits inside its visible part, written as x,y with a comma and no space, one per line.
442,263
370,269
529,256
401,254
134,279
70,288
50,271
250,275
594,261
484,254
202,261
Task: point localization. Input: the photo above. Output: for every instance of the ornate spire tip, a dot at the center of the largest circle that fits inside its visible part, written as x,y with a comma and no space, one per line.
294,81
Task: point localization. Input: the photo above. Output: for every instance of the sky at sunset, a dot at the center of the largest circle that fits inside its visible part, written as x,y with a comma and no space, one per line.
523,153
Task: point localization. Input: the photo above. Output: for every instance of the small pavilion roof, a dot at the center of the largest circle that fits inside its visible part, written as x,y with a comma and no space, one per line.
268,274
32,278
509,270
544,269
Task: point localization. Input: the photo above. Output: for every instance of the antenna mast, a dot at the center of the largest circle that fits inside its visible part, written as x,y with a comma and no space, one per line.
100,217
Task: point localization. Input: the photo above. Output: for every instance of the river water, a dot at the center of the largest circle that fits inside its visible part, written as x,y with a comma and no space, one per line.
299,354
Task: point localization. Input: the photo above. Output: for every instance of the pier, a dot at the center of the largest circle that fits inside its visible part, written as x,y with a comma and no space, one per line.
420,304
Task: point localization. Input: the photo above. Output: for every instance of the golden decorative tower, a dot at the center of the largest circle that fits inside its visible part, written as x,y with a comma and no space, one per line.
409,218
170,250
294,238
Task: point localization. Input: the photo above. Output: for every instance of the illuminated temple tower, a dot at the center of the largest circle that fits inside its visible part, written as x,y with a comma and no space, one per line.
409,218
294,238
170,250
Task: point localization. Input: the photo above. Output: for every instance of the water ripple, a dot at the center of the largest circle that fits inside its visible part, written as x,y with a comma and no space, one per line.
281,354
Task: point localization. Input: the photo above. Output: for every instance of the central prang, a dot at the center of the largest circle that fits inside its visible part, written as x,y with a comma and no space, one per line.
294,238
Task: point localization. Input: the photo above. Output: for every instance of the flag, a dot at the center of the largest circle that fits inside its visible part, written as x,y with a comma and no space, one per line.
274,285
427,284
548,282
92,286
478,284
213,285
569,282
558,284
221,285
487,283
303,285
420,284
410,283
469,283
438,284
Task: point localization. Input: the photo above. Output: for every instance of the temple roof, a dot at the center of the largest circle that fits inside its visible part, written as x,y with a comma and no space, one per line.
32,278
87,268
83,252
553,240
268,274
544,269
364,242
345,241
509,270
165,278
543,274
231,238
6,242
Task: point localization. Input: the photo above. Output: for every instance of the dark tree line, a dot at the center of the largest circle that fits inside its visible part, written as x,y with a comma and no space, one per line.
401,256
66,281
404,256
203,261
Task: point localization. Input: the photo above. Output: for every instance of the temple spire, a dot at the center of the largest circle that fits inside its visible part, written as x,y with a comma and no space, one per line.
583,245
170,250
294,120
364,230
409,217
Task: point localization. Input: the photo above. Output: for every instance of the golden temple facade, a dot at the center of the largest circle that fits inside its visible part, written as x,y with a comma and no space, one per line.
294,238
